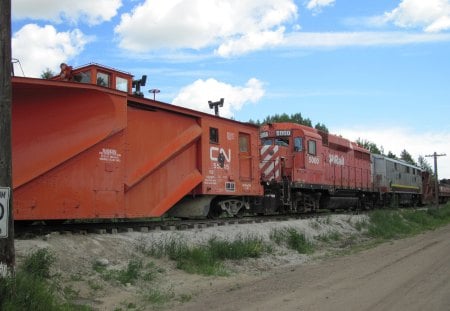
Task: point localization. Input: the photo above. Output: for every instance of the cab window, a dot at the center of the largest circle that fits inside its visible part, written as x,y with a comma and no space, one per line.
298,144
266,142
312,147
121,84
103,79
283,142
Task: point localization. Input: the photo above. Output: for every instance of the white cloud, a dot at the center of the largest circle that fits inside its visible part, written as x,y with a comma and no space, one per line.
431,15
38,48
232,27
416,143
91,12
196,95
317,5
345,39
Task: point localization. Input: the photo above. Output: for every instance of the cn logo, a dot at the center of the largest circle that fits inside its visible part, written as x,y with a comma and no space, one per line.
219,155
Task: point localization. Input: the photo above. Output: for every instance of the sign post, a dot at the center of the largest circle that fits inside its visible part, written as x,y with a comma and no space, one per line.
7,252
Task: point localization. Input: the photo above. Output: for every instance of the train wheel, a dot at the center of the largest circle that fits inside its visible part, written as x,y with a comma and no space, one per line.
214,212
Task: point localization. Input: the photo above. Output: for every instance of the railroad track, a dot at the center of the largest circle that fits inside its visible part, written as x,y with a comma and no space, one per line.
115,227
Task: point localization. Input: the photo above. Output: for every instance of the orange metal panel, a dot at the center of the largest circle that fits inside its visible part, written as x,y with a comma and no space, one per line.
162,160
52,123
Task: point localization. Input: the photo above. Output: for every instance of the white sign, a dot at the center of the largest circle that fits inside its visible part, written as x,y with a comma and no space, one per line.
338,160
4,211
110,155
283,133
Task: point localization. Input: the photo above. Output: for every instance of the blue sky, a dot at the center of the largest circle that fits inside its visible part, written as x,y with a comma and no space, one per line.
377,70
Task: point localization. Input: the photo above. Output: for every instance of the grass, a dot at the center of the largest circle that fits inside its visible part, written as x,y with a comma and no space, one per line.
293,239
157,297
135,270
330,237
389,224
208,258
30,288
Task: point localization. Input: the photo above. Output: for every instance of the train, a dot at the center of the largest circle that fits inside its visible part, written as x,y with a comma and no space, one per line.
94,147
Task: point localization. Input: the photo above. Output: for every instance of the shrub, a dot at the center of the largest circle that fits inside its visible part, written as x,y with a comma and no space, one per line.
293,239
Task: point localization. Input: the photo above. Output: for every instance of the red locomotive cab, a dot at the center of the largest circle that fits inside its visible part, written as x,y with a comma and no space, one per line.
291,151
275,160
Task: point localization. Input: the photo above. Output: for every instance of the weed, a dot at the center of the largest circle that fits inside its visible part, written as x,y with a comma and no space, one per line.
207,259
156,297
184,298
331,236
315,224
94,285
292,239
394,224
76,277
134,271
30,289
70,293
38,263
360,225
247,247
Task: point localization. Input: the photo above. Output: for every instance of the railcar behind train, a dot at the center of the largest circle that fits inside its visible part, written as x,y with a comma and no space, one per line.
429,189
396,182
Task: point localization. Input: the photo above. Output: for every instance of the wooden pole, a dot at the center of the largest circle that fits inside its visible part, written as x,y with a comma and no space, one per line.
436,178
7,252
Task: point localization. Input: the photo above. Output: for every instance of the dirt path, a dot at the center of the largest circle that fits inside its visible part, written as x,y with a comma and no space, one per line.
409,274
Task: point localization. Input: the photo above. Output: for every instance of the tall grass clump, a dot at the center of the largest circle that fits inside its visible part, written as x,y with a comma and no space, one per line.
393,224
30,288
208,258
292,239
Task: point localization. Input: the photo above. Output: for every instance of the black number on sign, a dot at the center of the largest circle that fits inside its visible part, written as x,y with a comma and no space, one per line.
2,211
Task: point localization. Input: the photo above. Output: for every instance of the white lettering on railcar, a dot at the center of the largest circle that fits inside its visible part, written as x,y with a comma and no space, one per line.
335,159
230,136
283,133
216,152
110,155
313,160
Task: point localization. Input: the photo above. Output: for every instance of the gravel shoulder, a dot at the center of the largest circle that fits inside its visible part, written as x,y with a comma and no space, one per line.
408,274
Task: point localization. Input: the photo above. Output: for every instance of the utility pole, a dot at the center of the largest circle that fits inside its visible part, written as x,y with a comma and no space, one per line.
216,106
436,180
7,252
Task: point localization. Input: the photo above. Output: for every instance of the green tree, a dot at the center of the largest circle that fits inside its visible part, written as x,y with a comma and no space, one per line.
47,74
284,117
424,165
371,146
406,156
391,155
321,127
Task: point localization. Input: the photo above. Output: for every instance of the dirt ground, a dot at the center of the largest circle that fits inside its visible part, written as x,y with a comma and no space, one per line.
409,274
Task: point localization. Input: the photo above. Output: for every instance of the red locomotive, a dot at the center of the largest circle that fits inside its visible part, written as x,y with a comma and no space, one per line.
304,169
